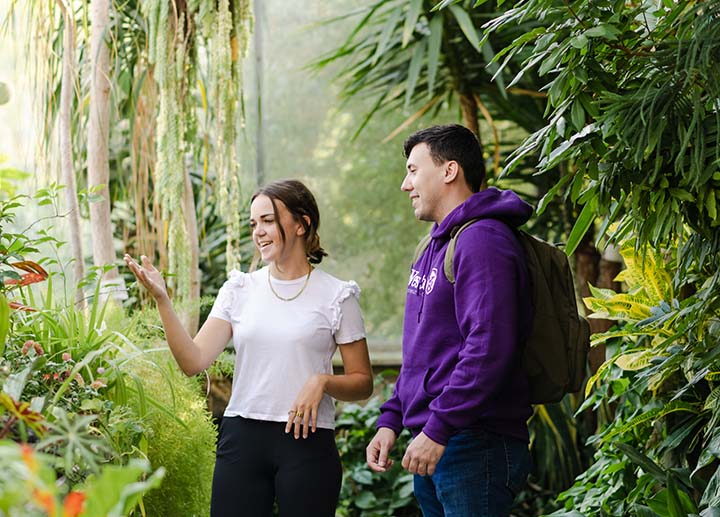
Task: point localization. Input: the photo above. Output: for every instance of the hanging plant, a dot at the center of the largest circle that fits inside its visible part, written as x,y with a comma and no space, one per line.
171,43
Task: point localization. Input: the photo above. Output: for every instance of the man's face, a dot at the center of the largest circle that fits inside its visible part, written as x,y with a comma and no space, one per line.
424,182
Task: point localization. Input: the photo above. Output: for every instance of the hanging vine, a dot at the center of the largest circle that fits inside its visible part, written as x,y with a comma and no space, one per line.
228,35
172,49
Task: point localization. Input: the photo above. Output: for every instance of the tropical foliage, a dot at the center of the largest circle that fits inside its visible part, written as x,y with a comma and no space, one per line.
72,396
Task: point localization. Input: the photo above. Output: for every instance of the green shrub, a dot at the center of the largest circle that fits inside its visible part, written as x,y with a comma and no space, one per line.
366,493
180,435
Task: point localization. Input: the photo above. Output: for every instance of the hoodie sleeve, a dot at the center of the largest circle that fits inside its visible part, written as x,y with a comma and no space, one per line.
487,272
391,411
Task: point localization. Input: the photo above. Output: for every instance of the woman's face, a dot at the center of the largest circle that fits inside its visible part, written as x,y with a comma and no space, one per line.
266,232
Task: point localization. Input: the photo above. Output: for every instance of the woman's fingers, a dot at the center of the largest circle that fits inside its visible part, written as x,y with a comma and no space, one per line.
306,423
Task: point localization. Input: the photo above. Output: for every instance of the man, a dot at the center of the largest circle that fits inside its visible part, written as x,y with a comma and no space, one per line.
461,389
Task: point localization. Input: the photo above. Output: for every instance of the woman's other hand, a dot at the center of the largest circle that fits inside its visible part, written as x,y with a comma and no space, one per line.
303,414
149,277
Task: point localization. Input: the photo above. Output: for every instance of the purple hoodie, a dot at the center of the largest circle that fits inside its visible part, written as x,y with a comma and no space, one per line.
461,365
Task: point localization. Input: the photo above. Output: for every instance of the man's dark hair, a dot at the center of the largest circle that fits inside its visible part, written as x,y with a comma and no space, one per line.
452,142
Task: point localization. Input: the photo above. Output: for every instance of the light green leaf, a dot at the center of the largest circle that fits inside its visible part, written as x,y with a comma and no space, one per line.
411,20
466,25
583,223
604,31
414,71
386,34
434,42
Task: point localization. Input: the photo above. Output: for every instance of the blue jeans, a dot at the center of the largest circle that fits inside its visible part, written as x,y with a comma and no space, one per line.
478,476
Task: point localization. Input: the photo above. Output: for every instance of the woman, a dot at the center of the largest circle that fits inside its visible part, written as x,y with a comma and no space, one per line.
276,439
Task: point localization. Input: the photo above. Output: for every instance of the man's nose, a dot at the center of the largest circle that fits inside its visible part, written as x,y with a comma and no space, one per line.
405,185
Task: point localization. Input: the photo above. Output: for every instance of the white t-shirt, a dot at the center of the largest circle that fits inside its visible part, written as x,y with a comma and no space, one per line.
280,344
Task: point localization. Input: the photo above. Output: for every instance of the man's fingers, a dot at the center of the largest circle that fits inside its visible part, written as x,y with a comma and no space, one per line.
383,455
406,461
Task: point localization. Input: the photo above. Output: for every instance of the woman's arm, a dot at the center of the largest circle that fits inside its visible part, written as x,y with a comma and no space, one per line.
192,355
355,384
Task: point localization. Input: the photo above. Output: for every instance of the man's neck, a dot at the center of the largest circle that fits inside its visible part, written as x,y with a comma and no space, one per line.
450,203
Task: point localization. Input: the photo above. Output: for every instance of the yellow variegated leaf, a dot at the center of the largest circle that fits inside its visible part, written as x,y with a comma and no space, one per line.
595,304
592,380
712,376
637,306
602,294
657,281
626,310
596,339
634,361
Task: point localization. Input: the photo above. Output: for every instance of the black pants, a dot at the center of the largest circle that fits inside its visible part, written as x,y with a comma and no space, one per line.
257,463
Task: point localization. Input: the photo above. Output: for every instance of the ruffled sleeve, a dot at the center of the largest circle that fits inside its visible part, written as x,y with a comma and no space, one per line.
346,317
227,299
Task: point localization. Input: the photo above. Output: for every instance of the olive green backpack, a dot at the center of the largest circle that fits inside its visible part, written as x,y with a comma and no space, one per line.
555,353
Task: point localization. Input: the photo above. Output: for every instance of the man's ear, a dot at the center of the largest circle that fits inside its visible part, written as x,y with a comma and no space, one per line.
452,171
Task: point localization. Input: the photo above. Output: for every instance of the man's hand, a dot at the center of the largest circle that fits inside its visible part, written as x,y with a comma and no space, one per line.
422,455
378,449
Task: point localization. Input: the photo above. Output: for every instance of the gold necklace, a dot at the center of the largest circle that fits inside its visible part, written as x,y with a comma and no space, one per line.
307,279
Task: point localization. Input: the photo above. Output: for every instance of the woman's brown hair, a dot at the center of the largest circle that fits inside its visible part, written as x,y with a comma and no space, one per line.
300,202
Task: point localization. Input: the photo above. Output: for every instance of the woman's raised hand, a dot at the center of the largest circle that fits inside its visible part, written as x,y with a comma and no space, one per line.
148,276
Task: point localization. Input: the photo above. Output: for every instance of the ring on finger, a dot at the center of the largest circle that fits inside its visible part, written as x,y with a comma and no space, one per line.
299,414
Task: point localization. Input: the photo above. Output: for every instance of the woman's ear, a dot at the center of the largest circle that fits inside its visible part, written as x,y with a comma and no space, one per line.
302,229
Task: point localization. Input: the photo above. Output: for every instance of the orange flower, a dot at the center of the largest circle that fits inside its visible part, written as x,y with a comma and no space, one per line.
74,503
46,501
28,457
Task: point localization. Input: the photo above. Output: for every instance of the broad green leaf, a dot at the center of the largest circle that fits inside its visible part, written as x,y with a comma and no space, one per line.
641,460
466,25
413,13
577,115
366,499
711,206
583,223
604,31
434,43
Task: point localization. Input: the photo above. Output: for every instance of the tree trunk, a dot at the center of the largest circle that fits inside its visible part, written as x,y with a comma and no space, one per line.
98,135
470,113
66,156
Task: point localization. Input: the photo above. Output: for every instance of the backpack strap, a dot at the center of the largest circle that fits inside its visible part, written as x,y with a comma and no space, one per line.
420,248
450,252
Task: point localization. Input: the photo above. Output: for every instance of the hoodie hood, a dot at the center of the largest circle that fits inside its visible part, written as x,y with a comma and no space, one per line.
490,203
